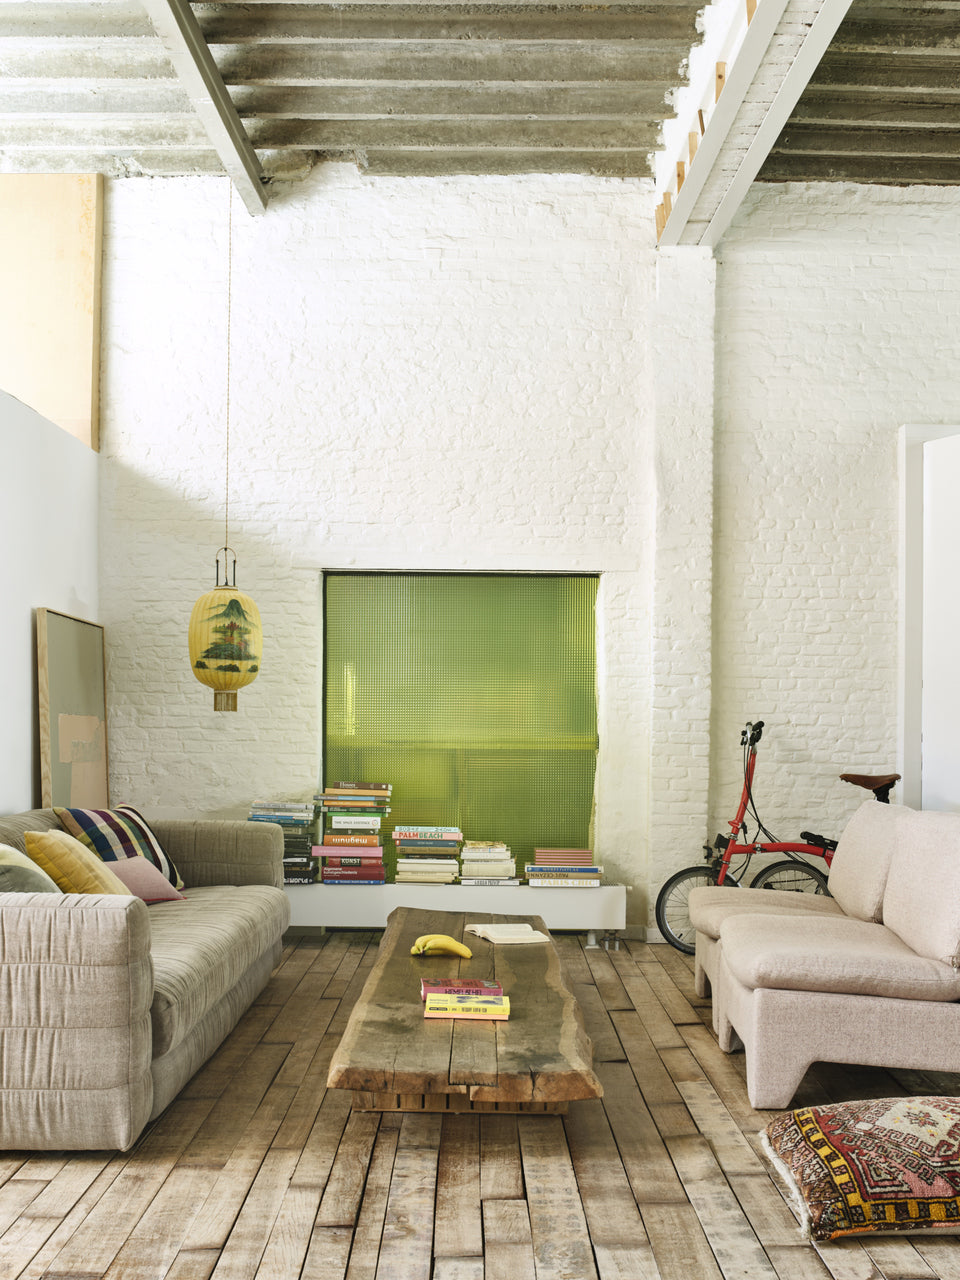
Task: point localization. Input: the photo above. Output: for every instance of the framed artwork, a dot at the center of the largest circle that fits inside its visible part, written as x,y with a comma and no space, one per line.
73,711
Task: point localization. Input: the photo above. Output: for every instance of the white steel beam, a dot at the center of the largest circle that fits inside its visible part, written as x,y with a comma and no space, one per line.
740,76
815,45
720,137
176,25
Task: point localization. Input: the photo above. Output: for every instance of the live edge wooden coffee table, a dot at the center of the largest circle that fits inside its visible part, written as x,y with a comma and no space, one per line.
395,1060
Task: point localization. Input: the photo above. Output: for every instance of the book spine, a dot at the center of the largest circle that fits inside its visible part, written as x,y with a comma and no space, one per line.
360,839
283,819
574,882
465,988
427,864
361,821
474,882
341,874
415,833
297,810
339,861
404,843
334,882
379,788
355,810
540,868
352,802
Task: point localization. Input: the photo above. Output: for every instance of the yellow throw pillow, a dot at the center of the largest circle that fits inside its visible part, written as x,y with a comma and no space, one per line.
74,868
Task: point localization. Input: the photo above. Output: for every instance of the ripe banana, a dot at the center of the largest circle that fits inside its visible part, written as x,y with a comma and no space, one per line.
437,944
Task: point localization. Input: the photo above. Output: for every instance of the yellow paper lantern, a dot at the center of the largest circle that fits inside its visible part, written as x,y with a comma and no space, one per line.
226,641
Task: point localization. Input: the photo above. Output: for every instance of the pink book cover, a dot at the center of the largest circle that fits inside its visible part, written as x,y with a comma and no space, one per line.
459,987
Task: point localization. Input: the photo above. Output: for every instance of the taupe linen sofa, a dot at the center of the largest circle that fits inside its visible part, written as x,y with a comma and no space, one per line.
108,1006
870,975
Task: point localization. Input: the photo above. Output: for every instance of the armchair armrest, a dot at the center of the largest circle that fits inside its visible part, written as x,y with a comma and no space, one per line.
228,852
76,985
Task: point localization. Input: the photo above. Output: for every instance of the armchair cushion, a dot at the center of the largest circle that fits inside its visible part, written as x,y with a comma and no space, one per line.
922,899
858,872
834,954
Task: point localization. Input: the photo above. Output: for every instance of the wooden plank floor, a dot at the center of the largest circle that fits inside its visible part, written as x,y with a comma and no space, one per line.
256,1172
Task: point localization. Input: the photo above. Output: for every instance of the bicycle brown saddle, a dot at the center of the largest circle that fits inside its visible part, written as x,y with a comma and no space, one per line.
869,780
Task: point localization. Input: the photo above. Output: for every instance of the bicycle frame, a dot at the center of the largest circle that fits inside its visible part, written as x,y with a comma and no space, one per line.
730,847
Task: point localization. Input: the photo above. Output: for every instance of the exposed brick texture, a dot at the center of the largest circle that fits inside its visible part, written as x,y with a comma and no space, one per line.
447,374
837,314
503,374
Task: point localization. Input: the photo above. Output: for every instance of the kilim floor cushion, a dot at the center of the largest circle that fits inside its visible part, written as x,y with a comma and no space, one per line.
886,1165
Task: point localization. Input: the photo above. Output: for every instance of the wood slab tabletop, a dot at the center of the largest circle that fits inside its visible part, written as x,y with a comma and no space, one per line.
540,1054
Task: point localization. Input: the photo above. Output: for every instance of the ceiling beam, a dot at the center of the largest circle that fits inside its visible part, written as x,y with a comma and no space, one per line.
815,44
767,77
177,27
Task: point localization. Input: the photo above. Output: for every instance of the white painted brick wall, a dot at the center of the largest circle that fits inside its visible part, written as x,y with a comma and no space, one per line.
440,374
683,588
502,374
837,314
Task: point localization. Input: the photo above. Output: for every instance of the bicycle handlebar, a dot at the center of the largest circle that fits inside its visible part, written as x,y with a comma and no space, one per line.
752,734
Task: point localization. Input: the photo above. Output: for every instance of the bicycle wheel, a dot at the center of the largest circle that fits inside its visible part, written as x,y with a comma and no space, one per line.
791,877
673,914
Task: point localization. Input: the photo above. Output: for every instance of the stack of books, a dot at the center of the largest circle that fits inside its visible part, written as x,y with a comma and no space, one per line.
427,855
487,862
352,845
299,821
360,865
563,869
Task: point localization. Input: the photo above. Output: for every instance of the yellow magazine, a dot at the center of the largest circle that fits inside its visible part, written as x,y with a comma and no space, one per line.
466,1006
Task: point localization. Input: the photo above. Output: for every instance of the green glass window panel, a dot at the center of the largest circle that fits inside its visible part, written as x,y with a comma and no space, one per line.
474,694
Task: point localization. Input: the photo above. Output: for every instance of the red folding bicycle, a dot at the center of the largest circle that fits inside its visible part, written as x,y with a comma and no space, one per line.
793,873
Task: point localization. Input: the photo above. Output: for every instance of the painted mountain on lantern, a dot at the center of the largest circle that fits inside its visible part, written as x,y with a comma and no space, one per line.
233,626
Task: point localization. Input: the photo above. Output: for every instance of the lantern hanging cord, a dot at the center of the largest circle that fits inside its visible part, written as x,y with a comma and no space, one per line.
226,495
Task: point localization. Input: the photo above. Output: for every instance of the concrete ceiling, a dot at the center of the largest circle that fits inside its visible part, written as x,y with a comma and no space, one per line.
262,89
401,88
883,105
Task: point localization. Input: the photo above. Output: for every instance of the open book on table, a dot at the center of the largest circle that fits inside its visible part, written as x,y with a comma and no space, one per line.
516,932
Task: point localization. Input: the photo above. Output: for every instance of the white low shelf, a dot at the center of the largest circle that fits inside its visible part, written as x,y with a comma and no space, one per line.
367,906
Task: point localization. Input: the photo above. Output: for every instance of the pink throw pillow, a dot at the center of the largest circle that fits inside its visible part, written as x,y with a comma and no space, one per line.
142,878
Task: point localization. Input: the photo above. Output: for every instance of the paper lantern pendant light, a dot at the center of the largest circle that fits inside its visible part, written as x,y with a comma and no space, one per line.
225,638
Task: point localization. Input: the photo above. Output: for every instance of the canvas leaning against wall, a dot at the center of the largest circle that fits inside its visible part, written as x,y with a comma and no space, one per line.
73,715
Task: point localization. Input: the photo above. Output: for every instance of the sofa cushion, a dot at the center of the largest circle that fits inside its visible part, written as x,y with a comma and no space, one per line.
14,826
832,953
71,866
858,872
202,946
20,874
922,899
118,833
711,904
142,878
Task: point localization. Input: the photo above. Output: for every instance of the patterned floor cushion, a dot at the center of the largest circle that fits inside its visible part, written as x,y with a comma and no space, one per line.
885,1165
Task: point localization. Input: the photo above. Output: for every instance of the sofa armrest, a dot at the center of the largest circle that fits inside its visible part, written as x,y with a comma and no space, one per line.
76,985
207,851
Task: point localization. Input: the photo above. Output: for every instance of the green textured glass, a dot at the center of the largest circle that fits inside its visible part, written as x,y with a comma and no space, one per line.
474,694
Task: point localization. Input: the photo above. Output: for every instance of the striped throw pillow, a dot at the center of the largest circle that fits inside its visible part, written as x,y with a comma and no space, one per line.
118,833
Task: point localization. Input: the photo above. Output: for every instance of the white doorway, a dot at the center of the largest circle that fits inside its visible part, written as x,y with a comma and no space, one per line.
930,617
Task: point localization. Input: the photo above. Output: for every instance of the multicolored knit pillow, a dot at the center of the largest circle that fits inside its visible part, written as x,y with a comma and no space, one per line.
118,833
886,1165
